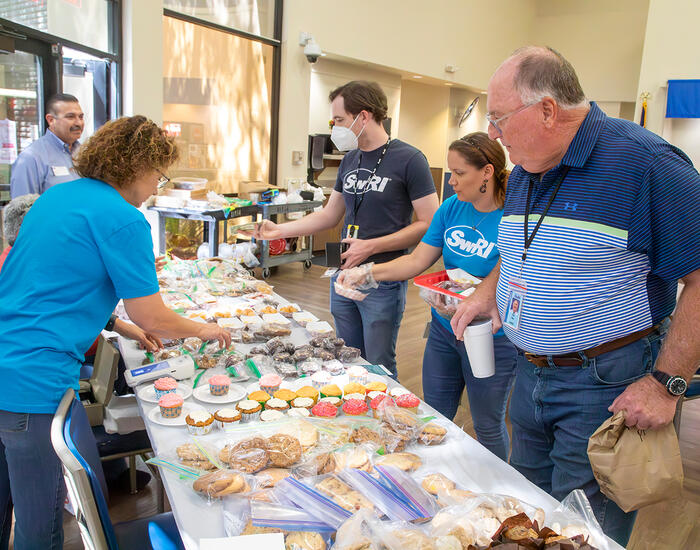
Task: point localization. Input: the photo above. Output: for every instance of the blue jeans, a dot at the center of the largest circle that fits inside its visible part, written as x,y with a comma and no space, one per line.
372,325
446,372
30,478
555,410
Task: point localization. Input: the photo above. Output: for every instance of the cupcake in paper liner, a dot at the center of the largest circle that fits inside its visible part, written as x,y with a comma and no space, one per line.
199,422
270,383
171,405
249,409
226,417
320,379
164,386
219,384
357,374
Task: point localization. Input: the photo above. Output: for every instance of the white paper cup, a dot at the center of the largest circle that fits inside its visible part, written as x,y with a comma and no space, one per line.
478,339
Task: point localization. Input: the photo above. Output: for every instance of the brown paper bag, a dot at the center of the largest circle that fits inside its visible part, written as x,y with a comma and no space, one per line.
634,467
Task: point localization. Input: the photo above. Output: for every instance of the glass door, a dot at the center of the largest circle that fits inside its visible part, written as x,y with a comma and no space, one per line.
21,111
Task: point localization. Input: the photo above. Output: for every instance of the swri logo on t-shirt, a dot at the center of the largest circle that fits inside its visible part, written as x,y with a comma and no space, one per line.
466,241
356,185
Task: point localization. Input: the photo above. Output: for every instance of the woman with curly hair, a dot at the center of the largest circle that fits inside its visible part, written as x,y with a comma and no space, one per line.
82,247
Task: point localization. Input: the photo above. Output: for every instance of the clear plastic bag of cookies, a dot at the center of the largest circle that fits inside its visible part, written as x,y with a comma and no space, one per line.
359,457
248,455
340,492
400,420
291,520
358,533
402,483
315,501
433,432
221,483
271,330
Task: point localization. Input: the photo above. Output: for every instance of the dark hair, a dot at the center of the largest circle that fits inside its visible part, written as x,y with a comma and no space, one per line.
362,95
124,149
479,150
542,72
58,98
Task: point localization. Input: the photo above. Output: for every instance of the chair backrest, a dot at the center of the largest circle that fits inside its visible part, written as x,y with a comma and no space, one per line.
318,147
159,538
105,371
71,437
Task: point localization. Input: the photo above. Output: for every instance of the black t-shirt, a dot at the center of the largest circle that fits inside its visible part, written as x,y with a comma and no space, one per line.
383,206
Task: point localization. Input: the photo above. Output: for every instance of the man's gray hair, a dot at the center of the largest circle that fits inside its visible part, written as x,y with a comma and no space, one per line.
544,72
13,214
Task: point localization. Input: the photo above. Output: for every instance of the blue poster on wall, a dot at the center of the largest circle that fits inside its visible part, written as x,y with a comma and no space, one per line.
683,99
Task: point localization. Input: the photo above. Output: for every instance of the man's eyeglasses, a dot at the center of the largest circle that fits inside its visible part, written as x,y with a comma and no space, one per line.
495,121
162,180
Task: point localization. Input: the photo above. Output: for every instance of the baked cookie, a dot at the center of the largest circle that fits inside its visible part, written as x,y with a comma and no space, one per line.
354,457
322,463
251,529
220,483
269,477
394,441
304,540
410,539
190,455
249,456
404,461
284,450
365,435
437,483
432,434
343,495
304,431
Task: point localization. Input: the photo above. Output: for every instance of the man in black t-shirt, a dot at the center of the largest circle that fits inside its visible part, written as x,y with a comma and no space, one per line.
381,182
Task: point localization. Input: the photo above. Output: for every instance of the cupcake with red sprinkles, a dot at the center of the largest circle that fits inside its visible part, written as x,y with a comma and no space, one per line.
324,409
378,402
408,402
355,407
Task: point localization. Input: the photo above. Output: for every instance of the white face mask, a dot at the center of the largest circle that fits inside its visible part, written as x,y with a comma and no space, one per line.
344,138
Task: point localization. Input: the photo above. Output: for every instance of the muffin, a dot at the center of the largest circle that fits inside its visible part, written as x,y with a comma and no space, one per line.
270,383
271,416
259,396
354,387
164,385
171,405
335,401
249,409
219,384
331,390
348,396
324,409
408,402
320,379
398,390
372,394
275,404
298,412
308,391
285,395
303,402
199,422
355,407
376,385
226,417
357,374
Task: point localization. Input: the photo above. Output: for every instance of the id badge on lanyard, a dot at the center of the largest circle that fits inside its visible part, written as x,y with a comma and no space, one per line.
517,289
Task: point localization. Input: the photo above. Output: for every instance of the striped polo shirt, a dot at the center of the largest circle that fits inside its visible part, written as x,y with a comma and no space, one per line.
624,227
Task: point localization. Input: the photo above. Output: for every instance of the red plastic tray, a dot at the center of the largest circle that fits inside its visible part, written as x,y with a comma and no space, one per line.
429,280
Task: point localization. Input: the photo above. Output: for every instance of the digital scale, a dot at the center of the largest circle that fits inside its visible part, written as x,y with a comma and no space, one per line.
178,367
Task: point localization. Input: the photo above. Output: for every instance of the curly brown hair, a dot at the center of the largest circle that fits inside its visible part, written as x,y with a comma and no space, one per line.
124,149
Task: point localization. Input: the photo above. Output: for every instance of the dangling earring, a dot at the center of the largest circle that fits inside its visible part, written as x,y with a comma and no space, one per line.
482,189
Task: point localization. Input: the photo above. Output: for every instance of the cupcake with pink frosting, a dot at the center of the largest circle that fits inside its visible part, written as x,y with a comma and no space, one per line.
219,384
270,383
171,405
164,385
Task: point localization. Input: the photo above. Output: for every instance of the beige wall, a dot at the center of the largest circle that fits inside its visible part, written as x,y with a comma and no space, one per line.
669,53
602,39
424,119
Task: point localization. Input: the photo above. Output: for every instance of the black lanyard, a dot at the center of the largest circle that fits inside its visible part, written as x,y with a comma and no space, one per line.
355,204
528,240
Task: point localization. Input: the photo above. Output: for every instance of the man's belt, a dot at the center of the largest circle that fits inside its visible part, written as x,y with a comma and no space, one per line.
575,359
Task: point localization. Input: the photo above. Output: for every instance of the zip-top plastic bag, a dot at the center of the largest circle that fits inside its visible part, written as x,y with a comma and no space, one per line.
574,516
318,504
391,504
265,514
408,488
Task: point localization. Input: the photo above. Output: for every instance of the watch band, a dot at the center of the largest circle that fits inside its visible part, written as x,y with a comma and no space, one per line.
110,324
662,377
675,385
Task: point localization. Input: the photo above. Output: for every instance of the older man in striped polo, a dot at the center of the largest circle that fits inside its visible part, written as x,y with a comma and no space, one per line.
601,220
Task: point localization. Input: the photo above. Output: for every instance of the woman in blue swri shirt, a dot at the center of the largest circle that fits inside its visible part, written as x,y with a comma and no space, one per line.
464,232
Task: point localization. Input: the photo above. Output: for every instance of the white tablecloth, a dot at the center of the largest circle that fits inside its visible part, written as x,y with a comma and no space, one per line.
460,457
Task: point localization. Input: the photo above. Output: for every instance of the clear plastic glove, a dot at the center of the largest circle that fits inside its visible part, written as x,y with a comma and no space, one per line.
358,278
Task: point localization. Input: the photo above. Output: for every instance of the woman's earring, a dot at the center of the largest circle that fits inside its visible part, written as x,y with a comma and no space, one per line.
482,189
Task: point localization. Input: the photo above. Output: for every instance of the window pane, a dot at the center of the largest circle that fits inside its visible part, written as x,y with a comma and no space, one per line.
253,16
85,22
216,100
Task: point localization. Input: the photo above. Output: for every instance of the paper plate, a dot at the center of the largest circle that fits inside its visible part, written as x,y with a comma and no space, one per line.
235,393
147,392
155,416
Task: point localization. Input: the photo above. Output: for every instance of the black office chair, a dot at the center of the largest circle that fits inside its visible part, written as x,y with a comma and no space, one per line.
317,148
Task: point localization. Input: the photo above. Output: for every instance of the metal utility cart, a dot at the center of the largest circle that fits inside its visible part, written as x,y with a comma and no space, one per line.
267,211
211,219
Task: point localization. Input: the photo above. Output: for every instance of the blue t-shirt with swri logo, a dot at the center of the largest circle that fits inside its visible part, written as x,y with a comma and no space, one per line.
467,238
384,205
81,249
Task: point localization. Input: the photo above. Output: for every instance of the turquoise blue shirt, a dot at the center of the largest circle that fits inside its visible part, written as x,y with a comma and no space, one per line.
80,249
467,238
45,163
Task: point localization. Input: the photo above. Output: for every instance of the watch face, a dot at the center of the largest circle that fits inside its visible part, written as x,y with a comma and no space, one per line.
677,385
